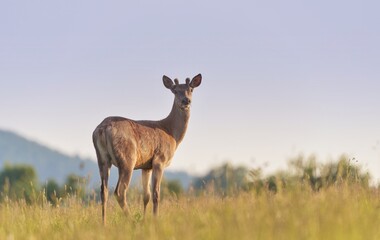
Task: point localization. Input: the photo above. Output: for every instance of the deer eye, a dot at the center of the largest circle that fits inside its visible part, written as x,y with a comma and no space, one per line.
191,89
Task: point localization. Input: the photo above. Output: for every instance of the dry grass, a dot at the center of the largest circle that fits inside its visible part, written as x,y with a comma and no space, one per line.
334,213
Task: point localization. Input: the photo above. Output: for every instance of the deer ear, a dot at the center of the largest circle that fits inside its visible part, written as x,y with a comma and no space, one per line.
196,81
167,82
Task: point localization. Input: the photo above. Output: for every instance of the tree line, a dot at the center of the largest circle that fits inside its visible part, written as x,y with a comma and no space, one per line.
20,182
303,172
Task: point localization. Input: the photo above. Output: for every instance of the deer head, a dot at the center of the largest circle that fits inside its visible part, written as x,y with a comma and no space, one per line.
182,92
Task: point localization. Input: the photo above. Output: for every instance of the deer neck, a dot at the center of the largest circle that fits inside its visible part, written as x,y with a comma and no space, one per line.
176,122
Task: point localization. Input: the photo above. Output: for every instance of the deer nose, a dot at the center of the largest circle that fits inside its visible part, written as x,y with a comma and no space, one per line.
186,101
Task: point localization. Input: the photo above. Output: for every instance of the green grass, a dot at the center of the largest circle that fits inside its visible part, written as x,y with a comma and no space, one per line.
333,213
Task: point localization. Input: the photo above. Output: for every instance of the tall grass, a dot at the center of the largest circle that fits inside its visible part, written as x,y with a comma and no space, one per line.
337,212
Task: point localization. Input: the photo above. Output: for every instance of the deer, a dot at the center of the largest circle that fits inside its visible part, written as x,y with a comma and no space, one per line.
147,145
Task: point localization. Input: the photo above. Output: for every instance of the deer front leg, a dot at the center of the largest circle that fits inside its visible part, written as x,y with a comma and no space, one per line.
157,177
146,176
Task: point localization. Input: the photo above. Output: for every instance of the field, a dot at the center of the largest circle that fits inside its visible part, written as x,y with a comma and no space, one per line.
334,213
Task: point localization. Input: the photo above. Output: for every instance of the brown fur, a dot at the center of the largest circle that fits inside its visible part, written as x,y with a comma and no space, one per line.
147,145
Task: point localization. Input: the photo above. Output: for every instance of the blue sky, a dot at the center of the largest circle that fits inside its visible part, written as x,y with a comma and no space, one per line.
279,77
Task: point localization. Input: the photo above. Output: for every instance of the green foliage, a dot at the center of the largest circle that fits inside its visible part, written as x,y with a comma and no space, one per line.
75,186
53,192
18,182
171,188
225,180
309,174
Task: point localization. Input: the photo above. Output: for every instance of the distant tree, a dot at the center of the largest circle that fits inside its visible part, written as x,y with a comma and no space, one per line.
224,180
345,171
171,187
53,192
306,171
18,182
175,186
75,186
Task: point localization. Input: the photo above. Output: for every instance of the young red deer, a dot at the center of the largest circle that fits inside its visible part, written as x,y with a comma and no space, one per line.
145,145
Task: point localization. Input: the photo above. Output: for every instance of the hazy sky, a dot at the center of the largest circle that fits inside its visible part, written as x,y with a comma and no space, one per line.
279,77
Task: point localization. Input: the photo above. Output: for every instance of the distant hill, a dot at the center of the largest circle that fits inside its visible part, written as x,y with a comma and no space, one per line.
51,164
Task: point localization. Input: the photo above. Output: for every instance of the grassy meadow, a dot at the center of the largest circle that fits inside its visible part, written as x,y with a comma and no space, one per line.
337,212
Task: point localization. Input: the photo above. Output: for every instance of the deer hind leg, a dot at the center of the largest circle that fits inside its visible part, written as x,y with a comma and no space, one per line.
104,193
157,177
146,176
104,170
125,175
